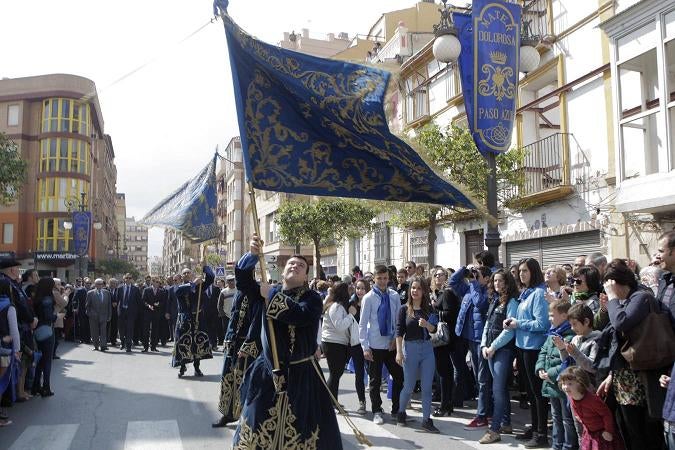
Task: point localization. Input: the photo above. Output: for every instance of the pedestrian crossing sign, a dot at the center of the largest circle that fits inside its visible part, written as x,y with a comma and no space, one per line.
220,271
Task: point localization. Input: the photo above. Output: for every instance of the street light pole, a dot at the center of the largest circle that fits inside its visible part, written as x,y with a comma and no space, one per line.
447,49
492,237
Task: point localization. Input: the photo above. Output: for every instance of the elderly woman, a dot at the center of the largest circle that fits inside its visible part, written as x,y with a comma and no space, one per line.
639,398
650,276
555,278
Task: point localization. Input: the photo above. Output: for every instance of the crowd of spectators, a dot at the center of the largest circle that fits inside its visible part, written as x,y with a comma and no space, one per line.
587,346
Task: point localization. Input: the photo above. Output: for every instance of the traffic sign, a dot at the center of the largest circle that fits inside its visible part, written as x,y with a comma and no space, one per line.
272,267
220,271
271,258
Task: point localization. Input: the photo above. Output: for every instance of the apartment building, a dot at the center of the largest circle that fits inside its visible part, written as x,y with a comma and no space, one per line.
136,249
57,123
595,118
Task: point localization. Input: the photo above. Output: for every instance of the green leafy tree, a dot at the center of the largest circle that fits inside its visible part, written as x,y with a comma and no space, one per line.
453,152
323,221
214,260
117,267
12,170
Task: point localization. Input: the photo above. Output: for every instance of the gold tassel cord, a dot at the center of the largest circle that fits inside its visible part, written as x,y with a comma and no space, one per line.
360,436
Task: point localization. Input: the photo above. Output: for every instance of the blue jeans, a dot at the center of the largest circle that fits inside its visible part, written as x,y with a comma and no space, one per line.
564,432
500,368
669,432
419,364
484,380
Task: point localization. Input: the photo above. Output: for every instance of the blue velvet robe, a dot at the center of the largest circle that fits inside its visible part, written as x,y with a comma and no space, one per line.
303,417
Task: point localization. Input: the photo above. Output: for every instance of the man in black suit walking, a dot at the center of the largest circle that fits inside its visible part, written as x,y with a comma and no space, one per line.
128,308
154,304
113,287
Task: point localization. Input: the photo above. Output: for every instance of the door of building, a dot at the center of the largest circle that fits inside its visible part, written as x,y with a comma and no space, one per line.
474,242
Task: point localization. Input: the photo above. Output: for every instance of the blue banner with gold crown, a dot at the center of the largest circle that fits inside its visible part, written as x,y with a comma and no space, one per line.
191,209
317,126
81,232
488,66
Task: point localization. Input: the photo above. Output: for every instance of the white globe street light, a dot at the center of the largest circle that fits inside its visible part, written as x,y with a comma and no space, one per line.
446,48
529,58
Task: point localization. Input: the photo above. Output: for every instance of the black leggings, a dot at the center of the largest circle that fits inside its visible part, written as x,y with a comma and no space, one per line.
336,356
446,373
356,353
642,431
527,359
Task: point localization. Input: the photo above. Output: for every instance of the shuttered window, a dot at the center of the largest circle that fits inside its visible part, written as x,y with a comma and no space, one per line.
554,250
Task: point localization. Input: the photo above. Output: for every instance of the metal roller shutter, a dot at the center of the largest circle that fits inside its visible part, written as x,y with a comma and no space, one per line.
554,250
563,249
515,251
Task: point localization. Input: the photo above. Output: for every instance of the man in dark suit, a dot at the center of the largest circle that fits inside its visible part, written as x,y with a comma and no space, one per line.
154,304
172,306
212,320
79,308
128,308
113,287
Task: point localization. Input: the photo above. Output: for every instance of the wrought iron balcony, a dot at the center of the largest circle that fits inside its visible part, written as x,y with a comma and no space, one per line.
545,171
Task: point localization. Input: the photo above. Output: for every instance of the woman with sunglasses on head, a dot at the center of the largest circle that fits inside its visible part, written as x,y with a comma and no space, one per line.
531,325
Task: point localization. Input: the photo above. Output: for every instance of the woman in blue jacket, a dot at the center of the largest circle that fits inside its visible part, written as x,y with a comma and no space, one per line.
470,323
497,347
531,325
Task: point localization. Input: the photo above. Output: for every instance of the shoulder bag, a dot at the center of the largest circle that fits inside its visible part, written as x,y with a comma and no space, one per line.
43,332
441,336
651,344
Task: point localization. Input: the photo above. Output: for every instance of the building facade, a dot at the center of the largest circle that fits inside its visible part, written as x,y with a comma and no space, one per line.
178,252
595,118
136,249
57,123
121,218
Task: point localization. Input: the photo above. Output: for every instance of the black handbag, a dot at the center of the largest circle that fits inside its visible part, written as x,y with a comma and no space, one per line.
441,336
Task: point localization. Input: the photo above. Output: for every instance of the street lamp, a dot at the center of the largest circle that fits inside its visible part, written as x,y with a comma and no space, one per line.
446,49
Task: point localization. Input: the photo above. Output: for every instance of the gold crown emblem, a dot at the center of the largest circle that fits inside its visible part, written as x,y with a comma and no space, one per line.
498,57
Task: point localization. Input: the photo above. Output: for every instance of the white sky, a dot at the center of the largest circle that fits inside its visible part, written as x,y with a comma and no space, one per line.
166,119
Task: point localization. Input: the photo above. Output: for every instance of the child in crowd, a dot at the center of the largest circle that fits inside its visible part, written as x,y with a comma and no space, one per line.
583,348
548,368
597,420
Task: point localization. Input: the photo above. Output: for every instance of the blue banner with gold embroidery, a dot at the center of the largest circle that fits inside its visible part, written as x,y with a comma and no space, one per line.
191,209
316,126
488,67
81,232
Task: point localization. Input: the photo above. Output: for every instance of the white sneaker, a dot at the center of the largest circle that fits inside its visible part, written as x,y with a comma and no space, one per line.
378,419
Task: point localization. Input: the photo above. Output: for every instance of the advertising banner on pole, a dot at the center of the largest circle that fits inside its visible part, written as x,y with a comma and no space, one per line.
81,230
488,67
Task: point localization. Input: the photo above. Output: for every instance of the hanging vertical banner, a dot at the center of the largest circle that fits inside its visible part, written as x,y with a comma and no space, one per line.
81,229
488,66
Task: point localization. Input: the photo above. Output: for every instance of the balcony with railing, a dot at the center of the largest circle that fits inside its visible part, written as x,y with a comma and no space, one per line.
545,171
538,22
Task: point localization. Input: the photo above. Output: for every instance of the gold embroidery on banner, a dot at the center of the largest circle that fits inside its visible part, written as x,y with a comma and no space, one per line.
241,314
339,97
249,348
278,432
497,82
277,305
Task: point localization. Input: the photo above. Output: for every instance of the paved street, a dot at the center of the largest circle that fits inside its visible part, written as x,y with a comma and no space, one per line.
135,401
